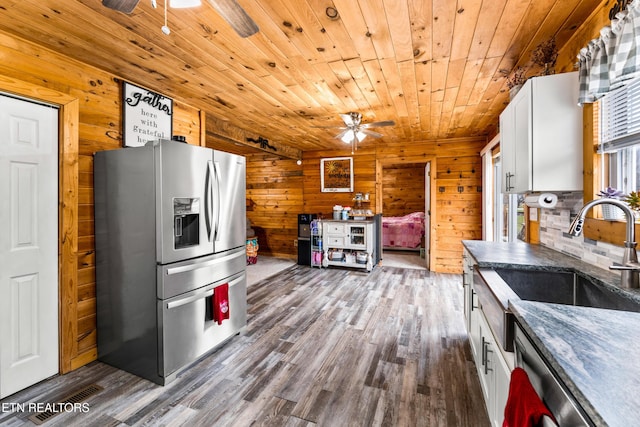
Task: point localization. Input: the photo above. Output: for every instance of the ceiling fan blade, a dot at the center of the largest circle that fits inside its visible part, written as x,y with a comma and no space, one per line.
125,6
379,124
371,133
236,16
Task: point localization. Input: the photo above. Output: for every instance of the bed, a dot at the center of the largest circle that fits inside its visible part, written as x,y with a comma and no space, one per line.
403,232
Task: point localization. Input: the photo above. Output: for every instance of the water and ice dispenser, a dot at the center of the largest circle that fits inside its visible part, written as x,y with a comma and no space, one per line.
186,222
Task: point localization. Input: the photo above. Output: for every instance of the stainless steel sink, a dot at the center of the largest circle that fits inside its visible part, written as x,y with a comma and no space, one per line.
496,287
566,288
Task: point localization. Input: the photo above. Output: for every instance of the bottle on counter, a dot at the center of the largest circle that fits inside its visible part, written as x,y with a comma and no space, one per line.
345,212
337,209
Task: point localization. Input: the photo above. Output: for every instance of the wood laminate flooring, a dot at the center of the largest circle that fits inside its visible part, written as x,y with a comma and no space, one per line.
330,347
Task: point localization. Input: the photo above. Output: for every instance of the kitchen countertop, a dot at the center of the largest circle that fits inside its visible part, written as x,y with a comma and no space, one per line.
524,256
592,350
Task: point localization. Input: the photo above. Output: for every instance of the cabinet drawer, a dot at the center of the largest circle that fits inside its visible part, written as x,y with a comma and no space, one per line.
335,228
336,241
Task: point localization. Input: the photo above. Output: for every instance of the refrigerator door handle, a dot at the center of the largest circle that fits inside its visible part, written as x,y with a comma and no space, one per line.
218,181
207,293
197,265
208,198
187,300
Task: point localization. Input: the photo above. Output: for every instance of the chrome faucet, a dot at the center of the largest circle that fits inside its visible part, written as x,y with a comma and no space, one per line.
630,269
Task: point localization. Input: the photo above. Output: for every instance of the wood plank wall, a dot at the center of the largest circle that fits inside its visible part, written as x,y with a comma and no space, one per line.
99,128
456,215
277,190
403,189
274,200
317,202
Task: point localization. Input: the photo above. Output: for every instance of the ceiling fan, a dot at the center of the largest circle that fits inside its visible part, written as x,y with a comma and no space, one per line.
355,131
230,11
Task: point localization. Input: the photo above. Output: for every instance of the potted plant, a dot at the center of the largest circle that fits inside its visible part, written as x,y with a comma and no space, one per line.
545,55
610,212
633,200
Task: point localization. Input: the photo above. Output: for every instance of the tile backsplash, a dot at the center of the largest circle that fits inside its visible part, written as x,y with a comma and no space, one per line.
554,224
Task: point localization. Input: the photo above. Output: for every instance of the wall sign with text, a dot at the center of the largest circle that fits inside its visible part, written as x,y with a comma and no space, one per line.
147,116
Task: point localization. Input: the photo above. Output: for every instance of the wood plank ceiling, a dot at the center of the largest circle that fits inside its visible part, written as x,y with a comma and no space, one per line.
436,67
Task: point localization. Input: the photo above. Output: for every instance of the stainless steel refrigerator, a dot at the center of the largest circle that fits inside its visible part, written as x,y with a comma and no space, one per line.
170,230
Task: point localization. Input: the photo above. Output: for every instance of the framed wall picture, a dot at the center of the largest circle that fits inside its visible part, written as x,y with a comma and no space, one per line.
146,116
336,175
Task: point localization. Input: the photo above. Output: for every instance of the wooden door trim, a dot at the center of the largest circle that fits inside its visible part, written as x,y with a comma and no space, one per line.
68,153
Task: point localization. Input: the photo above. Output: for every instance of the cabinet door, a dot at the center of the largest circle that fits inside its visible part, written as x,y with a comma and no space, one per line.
474,328
522,143
357,236
557,133
467,280
507,147
487,362
502,377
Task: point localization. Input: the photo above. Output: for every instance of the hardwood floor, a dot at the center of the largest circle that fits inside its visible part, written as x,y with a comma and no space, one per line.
330,347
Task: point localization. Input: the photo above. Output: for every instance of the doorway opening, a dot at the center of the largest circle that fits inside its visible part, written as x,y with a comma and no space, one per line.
406,209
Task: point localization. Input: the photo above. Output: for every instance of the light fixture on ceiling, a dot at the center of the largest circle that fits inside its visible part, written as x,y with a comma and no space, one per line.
348,137
355,131
165,28
353,136
183,4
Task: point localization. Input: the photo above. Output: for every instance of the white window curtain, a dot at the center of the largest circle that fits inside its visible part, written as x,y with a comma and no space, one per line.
607,62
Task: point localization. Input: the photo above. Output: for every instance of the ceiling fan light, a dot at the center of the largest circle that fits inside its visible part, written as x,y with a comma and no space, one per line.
360,135
183,4
347,138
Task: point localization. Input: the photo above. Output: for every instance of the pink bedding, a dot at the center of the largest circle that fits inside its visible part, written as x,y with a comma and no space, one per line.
403,231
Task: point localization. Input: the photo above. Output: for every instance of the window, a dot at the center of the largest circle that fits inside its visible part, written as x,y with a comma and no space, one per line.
624,169
617,118
508,211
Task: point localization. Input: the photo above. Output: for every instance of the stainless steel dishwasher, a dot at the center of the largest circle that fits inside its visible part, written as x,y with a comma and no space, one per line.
551,391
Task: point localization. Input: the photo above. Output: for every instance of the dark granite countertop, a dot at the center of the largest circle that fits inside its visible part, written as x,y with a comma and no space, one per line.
592,350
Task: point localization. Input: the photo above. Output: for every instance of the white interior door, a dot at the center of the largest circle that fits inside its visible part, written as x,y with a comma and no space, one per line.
28,243
427,213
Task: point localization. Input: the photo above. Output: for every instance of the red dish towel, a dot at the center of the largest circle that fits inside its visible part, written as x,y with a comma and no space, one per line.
524,407
221,303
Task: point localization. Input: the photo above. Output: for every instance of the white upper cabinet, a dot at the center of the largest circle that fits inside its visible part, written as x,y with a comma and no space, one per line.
541,136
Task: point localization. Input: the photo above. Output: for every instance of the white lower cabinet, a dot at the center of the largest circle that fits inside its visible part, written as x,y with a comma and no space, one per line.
493,370
502,379
467,282
348,244
494,366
